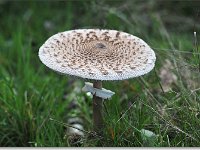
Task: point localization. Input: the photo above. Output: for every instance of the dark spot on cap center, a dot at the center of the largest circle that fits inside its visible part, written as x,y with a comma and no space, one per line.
100,45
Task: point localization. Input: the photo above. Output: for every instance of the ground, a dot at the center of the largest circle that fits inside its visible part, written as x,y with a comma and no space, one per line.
157,109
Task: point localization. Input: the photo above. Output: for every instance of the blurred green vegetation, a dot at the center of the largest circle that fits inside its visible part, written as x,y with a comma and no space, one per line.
30,93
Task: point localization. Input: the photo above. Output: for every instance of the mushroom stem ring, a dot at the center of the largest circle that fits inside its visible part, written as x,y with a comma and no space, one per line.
102,93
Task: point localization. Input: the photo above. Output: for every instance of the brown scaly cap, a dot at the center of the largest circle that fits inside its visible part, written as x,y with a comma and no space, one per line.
97,54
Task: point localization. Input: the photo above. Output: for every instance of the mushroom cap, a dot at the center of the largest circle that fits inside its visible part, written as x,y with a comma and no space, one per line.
97,54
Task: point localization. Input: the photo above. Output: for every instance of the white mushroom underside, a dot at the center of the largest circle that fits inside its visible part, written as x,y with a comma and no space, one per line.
97,54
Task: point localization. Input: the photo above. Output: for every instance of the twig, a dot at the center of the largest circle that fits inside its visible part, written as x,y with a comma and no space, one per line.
195,39
197,49
170,124
158,80
146,86
175,50
46,118
124,113
195,90
67,125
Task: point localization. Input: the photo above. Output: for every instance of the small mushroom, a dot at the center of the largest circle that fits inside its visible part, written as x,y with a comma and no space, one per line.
111,55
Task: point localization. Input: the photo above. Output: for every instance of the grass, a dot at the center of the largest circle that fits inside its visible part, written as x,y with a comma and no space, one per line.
31,94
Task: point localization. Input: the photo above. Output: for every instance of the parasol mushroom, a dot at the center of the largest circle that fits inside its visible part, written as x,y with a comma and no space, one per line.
98,55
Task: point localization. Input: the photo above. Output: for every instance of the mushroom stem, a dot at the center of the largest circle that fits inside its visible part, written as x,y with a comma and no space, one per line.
97,108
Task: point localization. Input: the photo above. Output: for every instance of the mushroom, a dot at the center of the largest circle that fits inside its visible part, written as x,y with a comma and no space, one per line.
98,55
